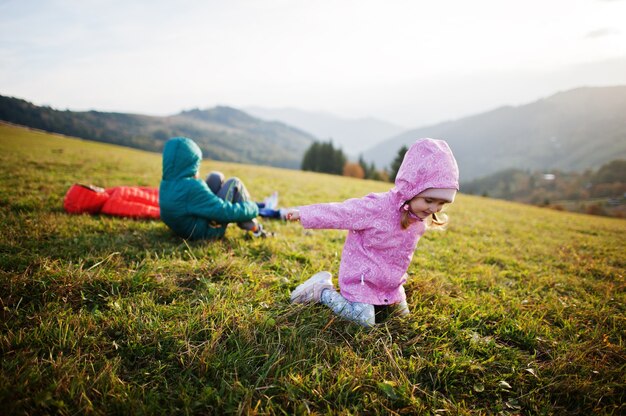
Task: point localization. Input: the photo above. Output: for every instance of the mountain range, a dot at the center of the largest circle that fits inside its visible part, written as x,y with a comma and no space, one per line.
573,130
570,131
223,133
353,136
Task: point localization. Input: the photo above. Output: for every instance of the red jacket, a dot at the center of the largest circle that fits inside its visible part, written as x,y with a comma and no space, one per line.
139,202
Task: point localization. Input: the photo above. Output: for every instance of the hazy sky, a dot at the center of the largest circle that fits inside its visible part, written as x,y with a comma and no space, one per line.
409,62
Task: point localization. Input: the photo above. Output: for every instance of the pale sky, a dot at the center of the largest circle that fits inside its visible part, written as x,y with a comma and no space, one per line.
408,62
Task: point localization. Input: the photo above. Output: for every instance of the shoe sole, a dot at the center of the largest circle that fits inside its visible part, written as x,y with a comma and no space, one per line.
319,277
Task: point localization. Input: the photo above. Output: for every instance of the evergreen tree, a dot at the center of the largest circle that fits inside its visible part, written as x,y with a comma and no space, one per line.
374,173
369,170
395,165
339,161
323,157
365,167
309,160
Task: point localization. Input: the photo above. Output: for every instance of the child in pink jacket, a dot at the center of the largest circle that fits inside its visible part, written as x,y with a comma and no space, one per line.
384,229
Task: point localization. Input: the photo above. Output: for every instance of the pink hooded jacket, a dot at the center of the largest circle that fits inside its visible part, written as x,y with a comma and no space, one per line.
377,251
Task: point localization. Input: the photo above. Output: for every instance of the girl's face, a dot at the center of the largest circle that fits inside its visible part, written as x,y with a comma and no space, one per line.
423,207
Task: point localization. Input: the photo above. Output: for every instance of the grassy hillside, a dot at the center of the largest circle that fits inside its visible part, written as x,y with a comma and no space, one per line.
515,309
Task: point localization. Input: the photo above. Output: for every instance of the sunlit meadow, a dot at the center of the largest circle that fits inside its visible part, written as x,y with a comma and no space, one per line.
515,309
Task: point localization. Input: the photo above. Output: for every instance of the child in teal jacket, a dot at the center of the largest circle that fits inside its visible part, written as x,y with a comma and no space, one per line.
189,207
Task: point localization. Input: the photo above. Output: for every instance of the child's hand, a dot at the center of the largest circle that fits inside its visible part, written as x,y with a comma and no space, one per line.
293,214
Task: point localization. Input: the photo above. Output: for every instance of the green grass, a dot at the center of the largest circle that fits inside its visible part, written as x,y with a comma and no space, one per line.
515,309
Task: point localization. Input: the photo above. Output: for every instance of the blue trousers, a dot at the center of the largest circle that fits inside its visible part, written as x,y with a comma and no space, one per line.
363,314
231,190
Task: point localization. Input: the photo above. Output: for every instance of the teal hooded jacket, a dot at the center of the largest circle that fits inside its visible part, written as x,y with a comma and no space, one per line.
187,204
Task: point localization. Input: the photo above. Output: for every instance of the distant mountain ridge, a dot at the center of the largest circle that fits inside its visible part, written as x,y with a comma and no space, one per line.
572,131
353,136
223,133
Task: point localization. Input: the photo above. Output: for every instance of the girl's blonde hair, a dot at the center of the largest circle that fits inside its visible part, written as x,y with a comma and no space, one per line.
434,222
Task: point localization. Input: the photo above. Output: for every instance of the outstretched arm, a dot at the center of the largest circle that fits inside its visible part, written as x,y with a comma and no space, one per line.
353,214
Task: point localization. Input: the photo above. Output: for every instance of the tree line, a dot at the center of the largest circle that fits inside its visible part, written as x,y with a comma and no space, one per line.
323,157
600,192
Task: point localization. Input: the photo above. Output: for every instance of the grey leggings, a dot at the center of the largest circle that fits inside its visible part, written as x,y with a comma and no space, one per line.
231,190
361,313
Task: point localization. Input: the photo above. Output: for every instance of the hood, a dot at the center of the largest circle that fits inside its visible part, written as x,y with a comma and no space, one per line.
181,159
427,164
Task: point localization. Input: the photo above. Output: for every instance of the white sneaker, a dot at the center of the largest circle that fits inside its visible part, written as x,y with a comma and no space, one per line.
271,202
311,289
